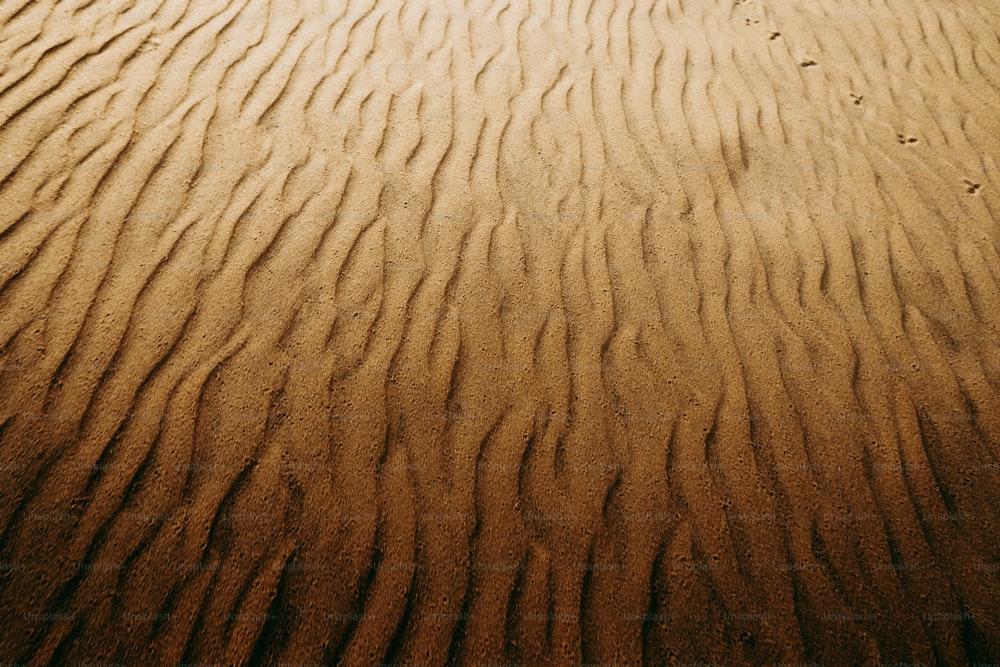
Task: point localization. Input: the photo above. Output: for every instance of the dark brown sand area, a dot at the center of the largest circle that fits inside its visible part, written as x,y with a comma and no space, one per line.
531,332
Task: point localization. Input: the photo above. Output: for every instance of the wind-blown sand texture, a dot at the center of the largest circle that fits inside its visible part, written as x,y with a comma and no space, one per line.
442,332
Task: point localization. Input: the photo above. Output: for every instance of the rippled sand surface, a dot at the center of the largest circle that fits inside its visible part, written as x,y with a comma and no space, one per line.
539,332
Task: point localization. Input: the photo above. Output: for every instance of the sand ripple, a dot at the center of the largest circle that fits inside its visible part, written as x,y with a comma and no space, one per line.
541,332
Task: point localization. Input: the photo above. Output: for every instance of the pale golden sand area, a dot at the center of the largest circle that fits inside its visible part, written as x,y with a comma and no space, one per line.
434,332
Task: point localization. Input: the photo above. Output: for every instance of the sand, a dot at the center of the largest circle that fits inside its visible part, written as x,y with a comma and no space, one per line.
520,332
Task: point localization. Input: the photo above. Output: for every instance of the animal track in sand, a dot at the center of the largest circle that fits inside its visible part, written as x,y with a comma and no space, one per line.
809,62
905,139
773,35
971,187
858,99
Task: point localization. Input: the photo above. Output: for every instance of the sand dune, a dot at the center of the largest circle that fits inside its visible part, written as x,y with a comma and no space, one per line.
474,332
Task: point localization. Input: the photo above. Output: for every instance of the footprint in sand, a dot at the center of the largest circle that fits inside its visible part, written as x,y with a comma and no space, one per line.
751,21
773,35
808,62
858,99
971,187
905,139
